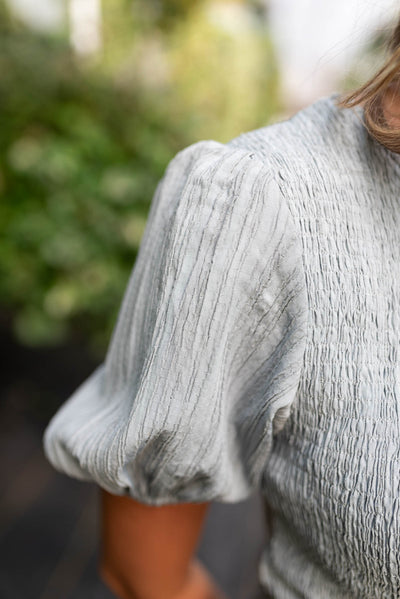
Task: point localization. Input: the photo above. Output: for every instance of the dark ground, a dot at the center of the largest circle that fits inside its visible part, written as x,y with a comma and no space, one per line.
49,522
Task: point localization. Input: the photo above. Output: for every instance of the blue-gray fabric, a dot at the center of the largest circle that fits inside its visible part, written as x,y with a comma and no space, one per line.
257,348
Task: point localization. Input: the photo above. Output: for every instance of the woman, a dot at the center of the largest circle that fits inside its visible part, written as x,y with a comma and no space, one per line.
257,347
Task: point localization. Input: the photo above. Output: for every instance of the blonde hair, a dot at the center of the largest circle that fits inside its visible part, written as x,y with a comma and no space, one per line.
370,95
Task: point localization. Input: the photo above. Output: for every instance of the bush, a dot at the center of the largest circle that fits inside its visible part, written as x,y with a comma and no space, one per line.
81,151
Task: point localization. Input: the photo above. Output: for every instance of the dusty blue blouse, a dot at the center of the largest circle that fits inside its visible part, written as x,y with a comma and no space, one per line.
257,348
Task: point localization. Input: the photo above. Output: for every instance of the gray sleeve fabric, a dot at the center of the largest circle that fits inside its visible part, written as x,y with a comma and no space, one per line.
206,354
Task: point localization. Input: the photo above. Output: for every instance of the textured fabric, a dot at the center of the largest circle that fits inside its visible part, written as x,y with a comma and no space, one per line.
257,347
207,351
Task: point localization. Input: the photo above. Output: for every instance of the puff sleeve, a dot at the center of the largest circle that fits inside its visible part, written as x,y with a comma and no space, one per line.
206,354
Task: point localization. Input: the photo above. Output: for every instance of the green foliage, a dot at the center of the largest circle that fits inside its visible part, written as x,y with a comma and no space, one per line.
83,146
79,161
223,74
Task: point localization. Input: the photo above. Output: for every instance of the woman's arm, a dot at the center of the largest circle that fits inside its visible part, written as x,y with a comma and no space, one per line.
147,552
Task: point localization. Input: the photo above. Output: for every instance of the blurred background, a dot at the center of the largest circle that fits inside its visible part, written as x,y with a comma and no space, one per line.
96,96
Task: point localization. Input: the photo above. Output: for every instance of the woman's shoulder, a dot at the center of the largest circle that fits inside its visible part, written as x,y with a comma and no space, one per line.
319,139
315,137
233,178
